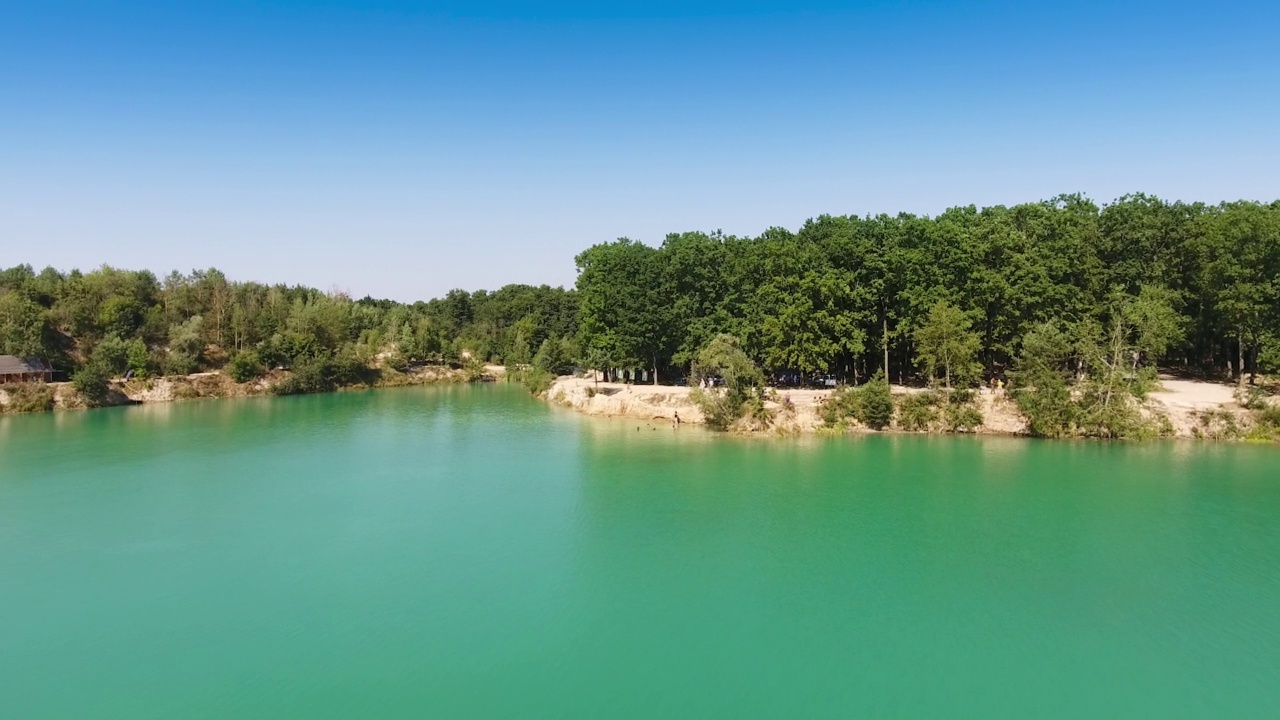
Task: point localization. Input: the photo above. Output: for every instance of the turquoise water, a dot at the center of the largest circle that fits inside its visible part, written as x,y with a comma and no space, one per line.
471,553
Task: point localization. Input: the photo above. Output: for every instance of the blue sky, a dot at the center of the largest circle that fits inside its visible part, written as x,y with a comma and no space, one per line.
402,149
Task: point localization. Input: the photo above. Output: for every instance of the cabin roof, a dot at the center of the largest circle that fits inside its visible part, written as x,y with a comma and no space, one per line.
13,365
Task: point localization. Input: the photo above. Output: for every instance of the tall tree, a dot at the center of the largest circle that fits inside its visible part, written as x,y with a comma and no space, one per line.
945,341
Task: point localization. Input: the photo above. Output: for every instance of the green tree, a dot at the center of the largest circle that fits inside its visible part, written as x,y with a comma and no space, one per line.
1042,381
874,407
945,341
624,304
732,378
92,381
22,326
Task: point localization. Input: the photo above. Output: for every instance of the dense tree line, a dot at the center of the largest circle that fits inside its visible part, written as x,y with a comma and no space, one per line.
110,322
955,295
1073,303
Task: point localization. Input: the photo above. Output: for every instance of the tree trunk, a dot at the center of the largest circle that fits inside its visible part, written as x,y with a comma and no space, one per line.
655,369
886,346
1240,357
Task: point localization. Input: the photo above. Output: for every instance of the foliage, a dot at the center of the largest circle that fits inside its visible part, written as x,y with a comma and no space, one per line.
28,397
92,381
1130,285
840,406
624,313
736,380
555,356
1218,424
870,404
245,366
875,403
918,411
21,326
537,380
1269,418
944,340
962,414
1042,376
323,372
1087,380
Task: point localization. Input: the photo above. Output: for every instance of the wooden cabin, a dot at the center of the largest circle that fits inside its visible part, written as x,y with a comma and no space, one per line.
15,369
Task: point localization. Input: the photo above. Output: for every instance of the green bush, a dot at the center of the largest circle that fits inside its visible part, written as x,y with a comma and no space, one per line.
1047,406
963,417
1269,417
473,369
29,397
245,366
870,404
1219,424
917,412
875,403
724,405
179,363
111,355
92,382
1252,397
754,408
536,379
323,372
720,408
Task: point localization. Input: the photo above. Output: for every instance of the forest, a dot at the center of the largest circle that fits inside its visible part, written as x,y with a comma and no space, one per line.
109,323
1060,289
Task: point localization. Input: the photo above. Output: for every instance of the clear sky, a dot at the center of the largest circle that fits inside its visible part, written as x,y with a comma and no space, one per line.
402,149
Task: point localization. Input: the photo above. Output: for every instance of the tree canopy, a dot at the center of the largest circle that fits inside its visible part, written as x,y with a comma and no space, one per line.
970,293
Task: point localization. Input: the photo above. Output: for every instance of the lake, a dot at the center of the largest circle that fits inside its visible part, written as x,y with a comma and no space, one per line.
469,552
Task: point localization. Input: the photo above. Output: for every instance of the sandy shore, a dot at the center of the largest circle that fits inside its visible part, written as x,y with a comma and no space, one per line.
1181,401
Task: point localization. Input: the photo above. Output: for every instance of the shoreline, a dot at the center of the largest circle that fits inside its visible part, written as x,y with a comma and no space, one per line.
217,384
1193,409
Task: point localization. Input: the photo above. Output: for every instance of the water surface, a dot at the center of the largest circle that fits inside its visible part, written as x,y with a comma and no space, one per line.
468,552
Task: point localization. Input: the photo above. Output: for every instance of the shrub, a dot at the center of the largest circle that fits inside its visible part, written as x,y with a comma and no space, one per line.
1219,424
917,412
245,366
963,417
473,369
537,380
754,409
875,403
1047,406
111,355
1269,417
840,406
29,397
179,363
1251,397
140,361
871,404
323,372
722,406
91,381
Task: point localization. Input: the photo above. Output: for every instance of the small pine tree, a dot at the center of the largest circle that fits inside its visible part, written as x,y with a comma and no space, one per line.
875,403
